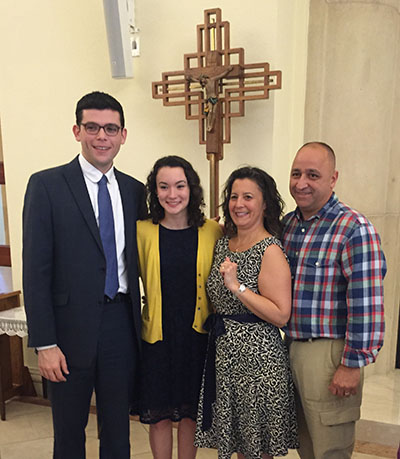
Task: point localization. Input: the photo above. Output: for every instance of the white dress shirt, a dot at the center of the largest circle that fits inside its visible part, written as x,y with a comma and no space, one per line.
92,176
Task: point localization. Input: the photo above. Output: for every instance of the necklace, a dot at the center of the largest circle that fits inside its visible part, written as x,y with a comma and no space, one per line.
239,246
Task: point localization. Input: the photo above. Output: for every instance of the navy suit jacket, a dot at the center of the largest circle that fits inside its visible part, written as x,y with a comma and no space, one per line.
63,261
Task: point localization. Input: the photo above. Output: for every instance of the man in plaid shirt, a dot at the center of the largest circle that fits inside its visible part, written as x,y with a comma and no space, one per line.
337,321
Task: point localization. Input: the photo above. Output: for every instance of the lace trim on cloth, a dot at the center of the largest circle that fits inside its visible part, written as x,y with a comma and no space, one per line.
13,322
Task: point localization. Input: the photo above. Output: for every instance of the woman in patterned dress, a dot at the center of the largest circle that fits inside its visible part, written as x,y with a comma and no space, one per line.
175,248
247,401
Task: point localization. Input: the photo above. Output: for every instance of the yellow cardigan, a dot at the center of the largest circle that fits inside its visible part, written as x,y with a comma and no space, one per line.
149,267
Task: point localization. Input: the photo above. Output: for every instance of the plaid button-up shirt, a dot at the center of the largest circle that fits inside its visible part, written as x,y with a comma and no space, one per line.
337,267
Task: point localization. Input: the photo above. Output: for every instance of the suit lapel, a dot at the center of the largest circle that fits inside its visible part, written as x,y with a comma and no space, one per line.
128,208
74,177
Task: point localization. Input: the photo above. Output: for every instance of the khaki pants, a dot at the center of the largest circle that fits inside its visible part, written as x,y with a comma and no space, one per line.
326,422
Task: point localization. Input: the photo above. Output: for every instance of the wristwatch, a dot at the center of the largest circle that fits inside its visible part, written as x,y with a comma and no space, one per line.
241,289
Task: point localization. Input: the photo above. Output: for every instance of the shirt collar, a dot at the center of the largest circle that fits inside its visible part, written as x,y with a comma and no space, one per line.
93,174
333,200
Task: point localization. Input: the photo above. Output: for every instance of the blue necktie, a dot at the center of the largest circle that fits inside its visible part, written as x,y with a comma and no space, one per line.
107,234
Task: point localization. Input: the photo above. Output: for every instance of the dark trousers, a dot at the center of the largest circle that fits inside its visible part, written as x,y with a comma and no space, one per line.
111,376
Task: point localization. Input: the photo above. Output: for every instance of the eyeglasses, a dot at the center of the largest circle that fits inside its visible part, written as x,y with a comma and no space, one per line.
94,128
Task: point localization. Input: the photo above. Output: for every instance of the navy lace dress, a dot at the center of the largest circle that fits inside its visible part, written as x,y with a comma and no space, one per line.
171,369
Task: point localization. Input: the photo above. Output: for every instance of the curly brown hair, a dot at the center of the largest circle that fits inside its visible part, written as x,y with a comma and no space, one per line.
196,201
274,203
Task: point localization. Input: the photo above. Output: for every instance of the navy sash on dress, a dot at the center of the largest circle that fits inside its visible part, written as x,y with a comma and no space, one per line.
216,327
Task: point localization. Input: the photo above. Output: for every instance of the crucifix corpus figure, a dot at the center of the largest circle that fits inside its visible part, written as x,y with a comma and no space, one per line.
211,85
226,83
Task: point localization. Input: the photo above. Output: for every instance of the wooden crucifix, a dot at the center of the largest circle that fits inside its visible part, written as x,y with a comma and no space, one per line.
213,87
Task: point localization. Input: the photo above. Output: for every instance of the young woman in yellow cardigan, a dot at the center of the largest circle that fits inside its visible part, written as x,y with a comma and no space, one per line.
175,249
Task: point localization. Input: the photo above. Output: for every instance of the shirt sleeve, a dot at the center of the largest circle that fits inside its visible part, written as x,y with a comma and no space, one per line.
364,267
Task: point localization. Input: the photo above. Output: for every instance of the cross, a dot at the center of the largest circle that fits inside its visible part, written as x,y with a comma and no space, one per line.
213,87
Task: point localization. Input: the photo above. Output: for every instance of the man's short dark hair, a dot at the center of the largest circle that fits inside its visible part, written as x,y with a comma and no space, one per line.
98,101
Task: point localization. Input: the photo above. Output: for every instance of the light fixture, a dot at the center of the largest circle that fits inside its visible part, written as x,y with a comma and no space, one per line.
122,35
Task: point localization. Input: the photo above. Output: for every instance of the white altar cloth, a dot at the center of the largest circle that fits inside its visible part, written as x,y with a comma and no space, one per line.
13,322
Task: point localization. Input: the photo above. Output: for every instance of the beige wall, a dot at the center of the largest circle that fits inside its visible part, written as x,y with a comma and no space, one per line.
352,102
53,52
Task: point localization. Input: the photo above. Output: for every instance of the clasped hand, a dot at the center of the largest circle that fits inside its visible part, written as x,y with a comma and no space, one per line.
228,270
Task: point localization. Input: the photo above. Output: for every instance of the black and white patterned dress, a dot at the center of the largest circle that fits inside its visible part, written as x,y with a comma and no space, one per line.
254,412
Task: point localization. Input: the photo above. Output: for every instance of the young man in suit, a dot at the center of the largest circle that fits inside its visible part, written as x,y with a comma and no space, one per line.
80,282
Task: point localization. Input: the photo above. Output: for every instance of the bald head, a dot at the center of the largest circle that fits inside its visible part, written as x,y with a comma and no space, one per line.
323,146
